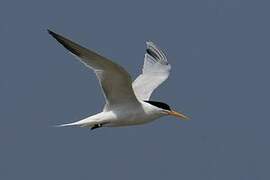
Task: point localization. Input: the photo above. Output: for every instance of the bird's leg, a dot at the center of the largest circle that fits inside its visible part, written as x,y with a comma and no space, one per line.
96,126
99,125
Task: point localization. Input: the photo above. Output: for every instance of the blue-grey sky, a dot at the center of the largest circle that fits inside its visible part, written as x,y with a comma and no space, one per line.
219,52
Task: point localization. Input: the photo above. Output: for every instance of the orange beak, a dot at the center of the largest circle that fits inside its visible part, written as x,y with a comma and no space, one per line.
177,114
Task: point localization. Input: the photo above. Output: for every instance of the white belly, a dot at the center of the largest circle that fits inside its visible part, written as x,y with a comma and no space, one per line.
122,116
134,116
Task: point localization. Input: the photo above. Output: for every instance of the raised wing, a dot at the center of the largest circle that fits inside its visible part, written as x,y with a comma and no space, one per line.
115,81
156,70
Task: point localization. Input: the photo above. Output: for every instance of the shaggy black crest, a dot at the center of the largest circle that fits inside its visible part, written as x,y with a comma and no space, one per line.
159,105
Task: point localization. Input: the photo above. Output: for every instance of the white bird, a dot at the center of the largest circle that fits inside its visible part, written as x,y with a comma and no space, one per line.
127,103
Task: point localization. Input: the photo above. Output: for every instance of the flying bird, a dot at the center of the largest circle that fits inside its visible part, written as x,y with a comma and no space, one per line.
127,103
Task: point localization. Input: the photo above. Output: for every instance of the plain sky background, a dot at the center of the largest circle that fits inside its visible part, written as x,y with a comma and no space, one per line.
219,52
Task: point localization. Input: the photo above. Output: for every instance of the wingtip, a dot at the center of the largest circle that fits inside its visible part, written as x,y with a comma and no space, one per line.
56,36
149,42
68,44
51,32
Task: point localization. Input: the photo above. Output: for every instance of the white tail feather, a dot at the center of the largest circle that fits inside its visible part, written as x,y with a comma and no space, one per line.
87,122
69,124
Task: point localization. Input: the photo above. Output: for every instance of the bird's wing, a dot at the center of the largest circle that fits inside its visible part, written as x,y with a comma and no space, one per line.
115,81
156,70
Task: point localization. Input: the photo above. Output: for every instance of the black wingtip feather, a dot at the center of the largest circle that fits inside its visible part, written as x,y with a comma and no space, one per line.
51,32
71,46
152,53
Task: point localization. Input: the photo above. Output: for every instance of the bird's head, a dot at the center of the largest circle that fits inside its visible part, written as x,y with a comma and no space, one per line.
166,109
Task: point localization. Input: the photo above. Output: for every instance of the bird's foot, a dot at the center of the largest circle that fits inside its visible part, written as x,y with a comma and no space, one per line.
96,126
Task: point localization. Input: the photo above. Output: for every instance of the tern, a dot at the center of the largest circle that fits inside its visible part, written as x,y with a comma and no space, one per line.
127,102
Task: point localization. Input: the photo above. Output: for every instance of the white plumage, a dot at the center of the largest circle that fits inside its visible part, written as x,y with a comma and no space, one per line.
127,103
